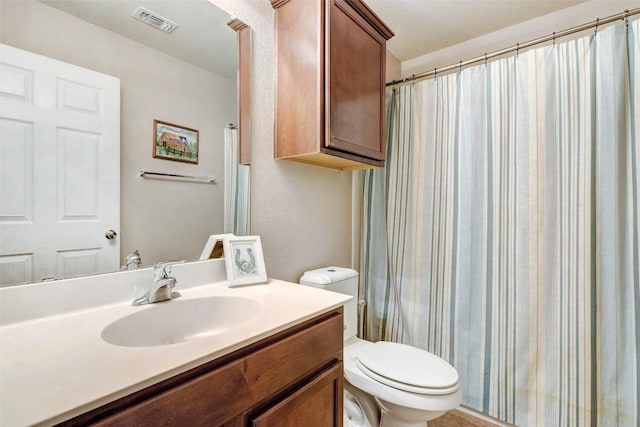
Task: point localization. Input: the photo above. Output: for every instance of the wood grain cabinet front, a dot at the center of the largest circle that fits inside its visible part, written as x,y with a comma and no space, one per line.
244,89
294,377
316,403
330,83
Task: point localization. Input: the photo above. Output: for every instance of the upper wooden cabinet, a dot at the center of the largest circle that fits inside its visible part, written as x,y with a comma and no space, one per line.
244,89
330,83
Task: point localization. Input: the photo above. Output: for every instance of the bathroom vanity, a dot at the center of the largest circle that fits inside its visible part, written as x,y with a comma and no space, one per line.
279,358
294,376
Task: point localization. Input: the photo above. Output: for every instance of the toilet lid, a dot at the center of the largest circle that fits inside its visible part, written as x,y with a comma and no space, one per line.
407,368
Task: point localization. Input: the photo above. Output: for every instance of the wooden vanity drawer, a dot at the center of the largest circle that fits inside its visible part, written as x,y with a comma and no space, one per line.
230,389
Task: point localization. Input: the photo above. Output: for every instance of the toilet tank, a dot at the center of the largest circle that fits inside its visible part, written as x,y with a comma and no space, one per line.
343,281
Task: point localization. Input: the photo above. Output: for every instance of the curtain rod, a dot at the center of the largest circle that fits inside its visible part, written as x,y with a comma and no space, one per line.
551,37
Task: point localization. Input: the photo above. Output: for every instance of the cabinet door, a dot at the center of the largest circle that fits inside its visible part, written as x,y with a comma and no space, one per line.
244,89
355,83
299,79
317,404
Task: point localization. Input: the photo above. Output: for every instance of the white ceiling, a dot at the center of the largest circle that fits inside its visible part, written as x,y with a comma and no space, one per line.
425,26
202,38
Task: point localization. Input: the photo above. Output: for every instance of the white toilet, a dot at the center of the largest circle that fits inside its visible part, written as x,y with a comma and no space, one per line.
388,384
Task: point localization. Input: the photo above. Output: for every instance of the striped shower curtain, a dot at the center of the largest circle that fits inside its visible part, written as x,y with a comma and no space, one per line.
237,188
503,233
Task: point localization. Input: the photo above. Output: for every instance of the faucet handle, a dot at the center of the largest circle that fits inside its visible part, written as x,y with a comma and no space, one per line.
132,261
163,268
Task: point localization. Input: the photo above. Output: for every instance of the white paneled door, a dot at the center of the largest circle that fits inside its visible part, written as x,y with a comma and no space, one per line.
59,169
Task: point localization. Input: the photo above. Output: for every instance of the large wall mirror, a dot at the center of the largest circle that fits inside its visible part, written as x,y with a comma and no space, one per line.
186,77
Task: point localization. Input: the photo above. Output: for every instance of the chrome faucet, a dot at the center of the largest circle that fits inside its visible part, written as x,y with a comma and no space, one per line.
162,287
132,261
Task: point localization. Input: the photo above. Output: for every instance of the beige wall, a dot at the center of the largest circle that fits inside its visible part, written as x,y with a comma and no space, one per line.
394,67
301,212
163,219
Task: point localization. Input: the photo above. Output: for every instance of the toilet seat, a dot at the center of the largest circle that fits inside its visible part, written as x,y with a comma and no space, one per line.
355,376
413,370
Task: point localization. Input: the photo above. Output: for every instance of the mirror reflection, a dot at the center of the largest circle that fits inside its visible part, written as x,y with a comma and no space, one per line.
77,176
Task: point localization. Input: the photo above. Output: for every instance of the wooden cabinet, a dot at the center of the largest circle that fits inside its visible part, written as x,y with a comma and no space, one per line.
330,83
244,89
294,377
313,404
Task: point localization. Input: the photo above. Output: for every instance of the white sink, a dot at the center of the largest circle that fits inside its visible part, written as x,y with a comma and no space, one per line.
177,321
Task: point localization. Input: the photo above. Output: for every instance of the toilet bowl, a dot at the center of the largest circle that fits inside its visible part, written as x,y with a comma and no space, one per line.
402,385
360,409
402,403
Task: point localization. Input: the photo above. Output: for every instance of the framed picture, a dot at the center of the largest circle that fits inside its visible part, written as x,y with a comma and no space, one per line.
214,248
174,142
244,261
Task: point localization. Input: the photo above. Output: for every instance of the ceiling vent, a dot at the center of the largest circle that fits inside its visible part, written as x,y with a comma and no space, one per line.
155,20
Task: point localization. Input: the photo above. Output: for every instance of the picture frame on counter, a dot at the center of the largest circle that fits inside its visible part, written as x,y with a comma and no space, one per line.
214,248
244,260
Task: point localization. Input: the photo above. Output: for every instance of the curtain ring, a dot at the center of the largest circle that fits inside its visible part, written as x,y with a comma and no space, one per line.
485,58
554,39
460,66
435,72
597,23
517,49
626,17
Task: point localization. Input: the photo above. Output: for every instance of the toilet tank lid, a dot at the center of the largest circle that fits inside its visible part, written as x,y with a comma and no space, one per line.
327,275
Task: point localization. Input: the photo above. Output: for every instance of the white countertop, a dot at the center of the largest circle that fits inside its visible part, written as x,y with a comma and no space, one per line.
56,367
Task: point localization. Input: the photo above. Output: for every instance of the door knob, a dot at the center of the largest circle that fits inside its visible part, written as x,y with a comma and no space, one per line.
111,234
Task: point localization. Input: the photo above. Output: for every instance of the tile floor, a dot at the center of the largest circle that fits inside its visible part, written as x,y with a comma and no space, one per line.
457,418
